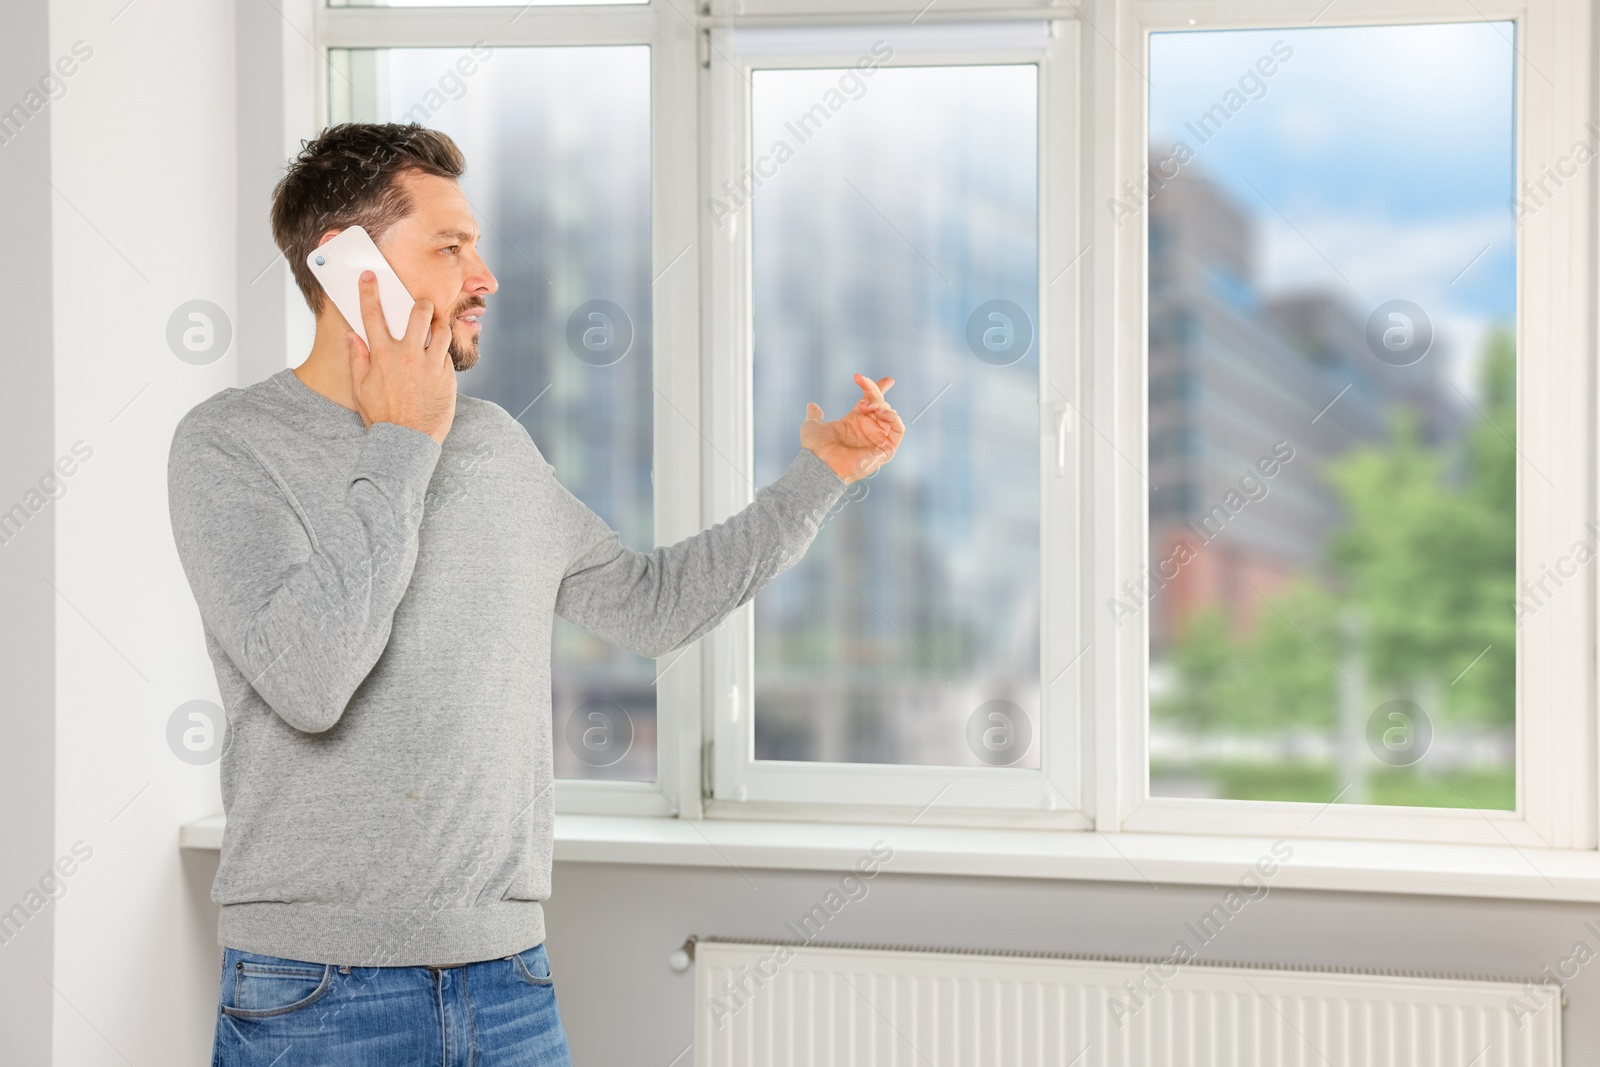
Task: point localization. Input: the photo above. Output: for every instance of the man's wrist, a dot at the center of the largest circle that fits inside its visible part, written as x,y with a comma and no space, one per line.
844,468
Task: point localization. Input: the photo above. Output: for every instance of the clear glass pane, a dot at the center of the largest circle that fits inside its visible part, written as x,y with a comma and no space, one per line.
895,233
557,142
1332,376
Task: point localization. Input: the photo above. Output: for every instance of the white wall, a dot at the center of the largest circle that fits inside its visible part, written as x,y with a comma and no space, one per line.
145,219
611,928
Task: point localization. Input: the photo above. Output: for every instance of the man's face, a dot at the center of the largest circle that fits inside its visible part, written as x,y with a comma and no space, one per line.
434,251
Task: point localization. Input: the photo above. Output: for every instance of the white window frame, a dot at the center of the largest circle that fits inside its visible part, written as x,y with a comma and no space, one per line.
742,786
674,251
1555,297
1092,338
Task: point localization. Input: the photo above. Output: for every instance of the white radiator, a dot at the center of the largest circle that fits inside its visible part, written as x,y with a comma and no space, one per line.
805,1005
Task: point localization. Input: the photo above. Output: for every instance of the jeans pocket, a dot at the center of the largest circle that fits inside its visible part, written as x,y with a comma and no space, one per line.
533,966
263,987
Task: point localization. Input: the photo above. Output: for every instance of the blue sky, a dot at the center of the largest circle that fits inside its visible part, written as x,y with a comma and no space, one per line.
1388,151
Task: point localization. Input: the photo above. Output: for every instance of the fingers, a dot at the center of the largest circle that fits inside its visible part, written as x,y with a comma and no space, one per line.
371,313
813,413
889,424
419,322
872,394
874,390
360,357
436,339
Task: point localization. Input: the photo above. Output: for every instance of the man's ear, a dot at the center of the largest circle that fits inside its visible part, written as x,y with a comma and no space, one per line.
328,236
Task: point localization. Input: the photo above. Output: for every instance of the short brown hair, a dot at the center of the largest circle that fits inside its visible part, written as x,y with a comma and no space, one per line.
346,177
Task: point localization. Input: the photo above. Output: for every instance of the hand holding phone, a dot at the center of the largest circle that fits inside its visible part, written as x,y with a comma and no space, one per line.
401,381
339,261
398,373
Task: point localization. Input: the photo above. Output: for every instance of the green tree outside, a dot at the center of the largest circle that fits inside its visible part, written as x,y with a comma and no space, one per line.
1426,561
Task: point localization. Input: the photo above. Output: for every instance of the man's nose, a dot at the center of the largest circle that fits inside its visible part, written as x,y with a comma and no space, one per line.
482,279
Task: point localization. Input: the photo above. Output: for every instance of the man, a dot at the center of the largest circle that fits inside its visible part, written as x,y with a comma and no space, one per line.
377,563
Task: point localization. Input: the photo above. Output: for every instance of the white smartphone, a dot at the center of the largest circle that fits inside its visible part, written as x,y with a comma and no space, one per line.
338,263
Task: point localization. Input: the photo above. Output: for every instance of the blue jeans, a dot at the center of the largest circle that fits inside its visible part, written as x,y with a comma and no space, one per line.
497,1013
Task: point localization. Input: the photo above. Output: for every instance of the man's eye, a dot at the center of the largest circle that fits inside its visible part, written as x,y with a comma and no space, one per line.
452,249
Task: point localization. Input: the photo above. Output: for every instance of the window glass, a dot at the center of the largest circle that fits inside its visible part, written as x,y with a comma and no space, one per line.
1330,595
557,142
894,233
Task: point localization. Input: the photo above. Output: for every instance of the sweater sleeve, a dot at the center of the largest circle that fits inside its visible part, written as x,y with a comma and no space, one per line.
304,614
653,603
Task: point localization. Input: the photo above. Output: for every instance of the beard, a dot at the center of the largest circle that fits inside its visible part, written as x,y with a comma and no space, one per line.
463,353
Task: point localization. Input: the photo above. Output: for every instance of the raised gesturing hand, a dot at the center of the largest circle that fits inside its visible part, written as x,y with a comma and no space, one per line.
861,441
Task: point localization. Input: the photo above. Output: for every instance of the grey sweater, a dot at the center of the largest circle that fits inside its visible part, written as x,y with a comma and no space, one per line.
378,610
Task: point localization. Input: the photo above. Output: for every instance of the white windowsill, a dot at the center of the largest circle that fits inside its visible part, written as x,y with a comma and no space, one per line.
1358,866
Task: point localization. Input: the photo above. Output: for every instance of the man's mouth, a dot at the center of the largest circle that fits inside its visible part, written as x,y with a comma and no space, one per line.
472,318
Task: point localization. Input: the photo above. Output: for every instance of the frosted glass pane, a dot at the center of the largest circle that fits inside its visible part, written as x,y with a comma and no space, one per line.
897,235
